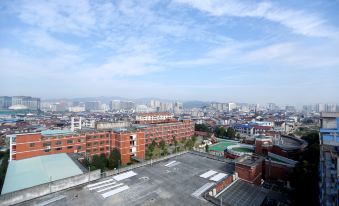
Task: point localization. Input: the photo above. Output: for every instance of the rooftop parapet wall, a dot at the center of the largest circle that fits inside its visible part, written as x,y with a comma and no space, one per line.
47,188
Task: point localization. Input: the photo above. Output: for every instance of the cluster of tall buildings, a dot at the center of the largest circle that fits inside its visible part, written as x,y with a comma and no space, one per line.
321,108
224,106
20,102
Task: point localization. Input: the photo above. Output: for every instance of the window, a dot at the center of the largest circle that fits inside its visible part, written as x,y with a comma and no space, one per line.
88,151
89,144
58,148
102,136
79,140
101,143
58,143
107,142
47,150
70,147
102,149
69,141
95,150
95,143
79,147
32,144
47,144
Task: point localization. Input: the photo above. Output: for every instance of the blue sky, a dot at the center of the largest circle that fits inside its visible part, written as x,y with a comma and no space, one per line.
245,51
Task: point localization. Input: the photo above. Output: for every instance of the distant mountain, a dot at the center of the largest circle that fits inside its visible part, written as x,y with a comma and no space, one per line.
195,104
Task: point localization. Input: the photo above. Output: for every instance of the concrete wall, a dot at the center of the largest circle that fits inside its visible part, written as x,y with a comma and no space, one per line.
149,162
47,188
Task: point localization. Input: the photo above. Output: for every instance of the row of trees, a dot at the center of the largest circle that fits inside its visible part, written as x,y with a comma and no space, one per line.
155,150
305,175
103,162
221,132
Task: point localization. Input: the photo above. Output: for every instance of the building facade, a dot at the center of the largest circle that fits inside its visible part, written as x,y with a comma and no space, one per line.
167,131
153,117
87,143
329,161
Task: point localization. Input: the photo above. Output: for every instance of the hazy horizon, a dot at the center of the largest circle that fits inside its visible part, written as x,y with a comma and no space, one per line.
284,52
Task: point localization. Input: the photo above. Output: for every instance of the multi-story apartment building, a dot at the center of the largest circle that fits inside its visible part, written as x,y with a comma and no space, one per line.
130,142
166,131
86,142
329,161
153,117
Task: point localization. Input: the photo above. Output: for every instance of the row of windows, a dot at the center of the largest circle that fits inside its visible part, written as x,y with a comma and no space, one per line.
60,148
97,143
98,136
69,141
96,150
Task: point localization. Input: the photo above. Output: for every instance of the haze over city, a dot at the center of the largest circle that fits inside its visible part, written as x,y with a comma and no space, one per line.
243,51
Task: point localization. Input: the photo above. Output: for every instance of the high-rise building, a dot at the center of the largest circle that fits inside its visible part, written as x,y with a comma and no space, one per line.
5,102
178,107
231,106
320,108
115,105
92,105
329,161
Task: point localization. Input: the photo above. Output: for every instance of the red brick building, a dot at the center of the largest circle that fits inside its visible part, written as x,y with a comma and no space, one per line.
166,131
130,142
249,168
87,143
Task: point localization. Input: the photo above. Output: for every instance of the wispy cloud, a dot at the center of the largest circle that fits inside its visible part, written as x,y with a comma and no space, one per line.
298,21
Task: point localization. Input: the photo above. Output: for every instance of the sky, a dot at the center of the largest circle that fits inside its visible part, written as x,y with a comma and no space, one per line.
285,52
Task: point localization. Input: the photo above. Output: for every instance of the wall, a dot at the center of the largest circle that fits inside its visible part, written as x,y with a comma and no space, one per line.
251,174
47,188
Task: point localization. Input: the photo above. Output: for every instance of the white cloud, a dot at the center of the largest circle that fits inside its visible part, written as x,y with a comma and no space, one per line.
45,41
299,22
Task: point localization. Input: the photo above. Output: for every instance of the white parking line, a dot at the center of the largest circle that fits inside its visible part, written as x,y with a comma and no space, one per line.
208,174
116,191
125,175
108,188
99,183
100,186
168,164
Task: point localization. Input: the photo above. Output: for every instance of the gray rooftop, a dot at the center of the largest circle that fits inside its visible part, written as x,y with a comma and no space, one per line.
153,185
242,193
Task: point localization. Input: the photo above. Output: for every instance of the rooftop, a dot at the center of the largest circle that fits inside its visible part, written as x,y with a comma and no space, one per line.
33,171
249,160
242,193
176,181
56,132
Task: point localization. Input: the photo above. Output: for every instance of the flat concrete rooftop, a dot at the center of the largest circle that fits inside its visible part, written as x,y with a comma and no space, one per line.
171,182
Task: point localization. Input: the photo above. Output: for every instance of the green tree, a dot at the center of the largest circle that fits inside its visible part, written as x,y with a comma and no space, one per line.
220,132
114,160
238,136
175,142
230,133
305,175
202,128
98,162
194,139
207,149
162,144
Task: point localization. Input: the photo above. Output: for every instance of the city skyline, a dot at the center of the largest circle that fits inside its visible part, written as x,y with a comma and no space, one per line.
260,52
